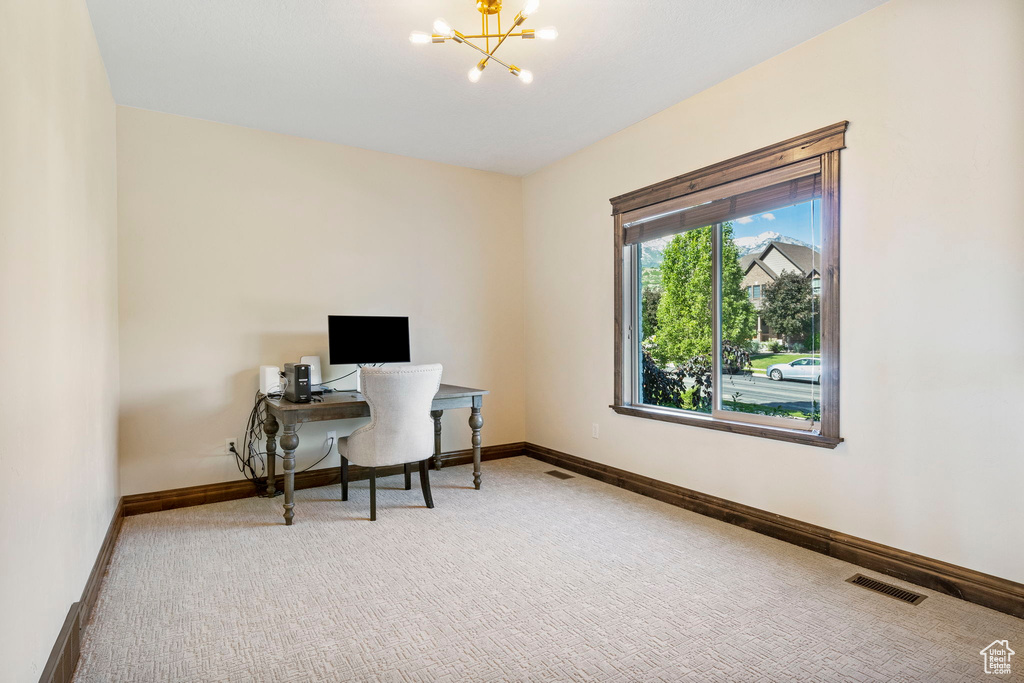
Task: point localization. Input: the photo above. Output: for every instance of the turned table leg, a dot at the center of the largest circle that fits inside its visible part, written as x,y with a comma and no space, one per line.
476,421
289,442
270,427
436,414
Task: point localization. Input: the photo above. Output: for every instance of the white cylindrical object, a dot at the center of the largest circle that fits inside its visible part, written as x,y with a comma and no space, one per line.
270,379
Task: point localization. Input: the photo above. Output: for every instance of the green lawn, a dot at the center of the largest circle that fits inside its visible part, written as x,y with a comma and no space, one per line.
761,361
741,407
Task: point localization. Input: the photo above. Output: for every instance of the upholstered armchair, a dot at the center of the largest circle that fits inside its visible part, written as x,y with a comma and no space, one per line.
401,431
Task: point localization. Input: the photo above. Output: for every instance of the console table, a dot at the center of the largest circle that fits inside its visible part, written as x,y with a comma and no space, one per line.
343,405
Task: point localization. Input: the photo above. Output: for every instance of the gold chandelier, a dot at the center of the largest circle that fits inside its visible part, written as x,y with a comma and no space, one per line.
489,8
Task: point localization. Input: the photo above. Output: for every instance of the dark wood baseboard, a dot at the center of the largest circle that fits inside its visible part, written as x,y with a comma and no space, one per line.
983,589
99,568
60,667
156,501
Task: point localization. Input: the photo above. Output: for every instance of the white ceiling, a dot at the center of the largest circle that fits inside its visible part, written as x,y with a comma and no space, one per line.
344,70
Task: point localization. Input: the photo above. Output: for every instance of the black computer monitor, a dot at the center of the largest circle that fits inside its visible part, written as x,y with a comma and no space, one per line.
364,339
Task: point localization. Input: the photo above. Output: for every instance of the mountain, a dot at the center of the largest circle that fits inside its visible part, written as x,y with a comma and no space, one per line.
757,243
651,252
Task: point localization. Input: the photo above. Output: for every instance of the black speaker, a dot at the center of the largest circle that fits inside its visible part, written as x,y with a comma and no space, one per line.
297,388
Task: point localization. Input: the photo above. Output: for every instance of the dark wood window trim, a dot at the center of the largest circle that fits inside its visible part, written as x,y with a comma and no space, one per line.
708,422
823,144
807,146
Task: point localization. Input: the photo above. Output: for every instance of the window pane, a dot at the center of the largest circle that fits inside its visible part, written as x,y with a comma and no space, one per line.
675,320
771,342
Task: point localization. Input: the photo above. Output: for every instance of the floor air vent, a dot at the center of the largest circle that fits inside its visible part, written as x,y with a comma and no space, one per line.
559,475
886,589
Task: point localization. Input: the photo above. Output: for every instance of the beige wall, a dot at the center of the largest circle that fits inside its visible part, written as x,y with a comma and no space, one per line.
58,321
214,218
933,458
236,244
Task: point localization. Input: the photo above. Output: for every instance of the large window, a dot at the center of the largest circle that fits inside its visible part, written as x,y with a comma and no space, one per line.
727,284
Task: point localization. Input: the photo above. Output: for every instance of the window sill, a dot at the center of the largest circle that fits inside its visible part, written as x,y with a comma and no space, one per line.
708,422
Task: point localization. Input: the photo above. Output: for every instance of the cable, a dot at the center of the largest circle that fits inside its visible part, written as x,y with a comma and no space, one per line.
253,464
329,447
339,378
252,461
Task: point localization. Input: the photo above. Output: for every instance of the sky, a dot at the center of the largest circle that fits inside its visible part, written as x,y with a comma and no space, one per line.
801,222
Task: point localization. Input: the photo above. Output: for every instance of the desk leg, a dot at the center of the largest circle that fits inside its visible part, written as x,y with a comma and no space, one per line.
436,414
476,421
270,428
289,442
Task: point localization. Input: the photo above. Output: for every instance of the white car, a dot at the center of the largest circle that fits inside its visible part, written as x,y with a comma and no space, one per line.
808,369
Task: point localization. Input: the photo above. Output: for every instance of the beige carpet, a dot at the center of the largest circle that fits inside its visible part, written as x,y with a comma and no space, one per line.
532,578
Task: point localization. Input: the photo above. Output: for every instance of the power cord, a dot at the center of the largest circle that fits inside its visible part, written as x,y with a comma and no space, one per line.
238,456
253,464
329,447
339,378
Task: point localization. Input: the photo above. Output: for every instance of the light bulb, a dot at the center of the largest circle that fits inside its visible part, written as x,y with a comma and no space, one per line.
525,76
531,7
547,33
441,26
474,74
419,37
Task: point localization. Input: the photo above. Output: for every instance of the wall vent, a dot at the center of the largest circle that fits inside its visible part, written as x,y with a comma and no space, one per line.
886,589
559,475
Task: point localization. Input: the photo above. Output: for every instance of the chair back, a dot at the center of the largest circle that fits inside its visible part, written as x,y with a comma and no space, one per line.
401,429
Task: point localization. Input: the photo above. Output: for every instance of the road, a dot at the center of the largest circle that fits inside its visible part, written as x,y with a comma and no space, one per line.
759,390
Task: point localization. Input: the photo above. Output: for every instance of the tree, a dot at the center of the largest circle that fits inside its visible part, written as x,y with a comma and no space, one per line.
789,307
689,385
661,387
685,311
650,298
651,277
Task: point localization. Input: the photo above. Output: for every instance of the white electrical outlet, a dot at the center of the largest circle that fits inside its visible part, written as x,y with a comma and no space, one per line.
229,444
332,439
594,430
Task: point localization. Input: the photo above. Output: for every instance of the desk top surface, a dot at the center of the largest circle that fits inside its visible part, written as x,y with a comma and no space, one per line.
340,398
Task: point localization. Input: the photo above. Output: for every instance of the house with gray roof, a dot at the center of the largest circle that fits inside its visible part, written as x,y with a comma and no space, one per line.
763,268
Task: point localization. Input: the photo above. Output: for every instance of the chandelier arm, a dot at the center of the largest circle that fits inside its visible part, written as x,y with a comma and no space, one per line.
491,53
486,54
492,35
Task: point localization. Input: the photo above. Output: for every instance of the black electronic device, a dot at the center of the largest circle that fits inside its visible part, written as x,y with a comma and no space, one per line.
365,339
297,387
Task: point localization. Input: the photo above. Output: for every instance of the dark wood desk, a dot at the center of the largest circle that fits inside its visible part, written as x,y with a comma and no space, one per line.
344,405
